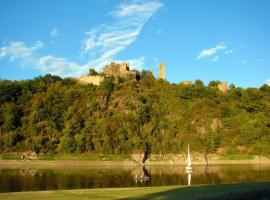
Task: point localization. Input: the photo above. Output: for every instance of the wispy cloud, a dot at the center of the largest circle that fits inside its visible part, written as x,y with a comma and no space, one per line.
101,44
16,50
229,51
58,66
212,51
26,55
55,32
215,59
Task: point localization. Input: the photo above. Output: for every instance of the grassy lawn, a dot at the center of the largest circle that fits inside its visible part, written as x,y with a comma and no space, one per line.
87,157
236,157
249,191
71,157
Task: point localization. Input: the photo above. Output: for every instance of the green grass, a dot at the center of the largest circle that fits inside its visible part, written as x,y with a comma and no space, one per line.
71,157
86,157
249,191
10,156
236,157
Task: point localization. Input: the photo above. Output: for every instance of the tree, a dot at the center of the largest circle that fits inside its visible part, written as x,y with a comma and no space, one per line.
67,144
213,84
199,83
107,86
92,72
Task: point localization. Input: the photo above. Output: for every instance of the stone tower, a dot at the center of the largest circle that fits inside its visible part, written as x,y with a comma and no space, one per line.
223,86
161,71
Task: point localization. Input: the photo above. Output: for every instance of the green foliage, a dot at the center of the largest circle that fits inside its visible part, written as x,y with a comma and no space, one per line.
51,115
213,84
211,142
11,139
92,72
107,86
67,144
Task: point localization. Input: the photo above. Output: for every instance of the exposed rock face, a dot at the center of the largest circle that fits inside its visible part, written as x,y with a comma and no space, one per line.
141,158
137,157
29,155
216,125
96,80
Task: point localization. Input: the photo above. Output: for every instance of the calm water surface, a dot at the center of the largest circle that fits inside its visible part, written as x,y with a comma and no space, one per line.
30,179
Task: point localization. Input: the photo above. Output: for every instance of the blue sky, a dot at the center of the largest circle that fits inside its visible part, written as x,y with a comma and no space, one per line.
207,40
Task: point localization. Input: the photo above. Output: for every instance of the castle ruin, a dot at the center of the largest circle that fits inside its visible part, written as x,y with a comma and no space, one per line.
161,71
95,80
223,86
186,83
119,70
112,70
123,71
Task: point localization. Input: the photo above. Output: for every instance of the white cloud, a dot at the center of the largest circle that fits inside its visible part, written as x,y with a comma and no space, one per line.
101,45
136,9
56,65
215,59
55,32
209,52
229,51
16,50
105,42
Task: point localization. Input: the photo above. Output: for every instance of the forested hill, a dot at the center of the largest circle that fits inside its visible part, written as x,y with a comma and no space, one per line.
52,115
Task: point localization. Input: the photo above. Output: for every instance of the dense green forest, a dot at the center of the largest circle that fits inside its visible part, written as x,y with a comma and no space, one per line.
52,115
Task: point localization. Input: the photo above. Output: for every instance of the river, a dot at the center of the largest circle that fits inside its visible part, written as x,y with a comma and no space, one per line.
32,179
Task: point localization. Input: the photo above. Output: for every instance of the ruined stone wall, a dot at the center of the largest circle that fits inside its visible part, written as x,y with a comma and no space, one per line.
223,86
121,70
161,71
186,83
96,80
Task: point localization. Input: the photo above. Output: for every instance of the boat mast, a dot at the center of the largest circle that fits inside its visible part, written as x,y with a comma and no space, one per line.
189,158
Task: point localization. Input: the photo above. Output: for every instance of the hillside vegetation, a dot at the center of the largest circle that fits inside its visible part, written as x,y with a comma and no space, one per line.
51,115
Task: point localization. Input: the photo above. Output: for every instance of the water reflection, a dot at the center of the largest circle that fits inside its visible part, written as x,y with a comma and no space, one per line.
189,179
25,179
143,177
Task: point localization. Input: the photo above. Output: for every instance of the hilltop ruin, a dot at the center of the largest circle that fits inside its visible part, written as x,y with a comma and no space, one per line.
123,71
116,70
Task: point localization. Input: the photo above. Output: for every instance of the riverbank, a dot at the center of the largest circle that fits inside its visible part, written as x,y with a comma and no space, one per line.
52,164
170,159
247,191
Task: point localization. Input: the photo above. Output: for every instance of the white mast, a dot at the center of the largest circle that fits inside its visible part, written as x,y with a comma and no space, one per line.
189,165
189,158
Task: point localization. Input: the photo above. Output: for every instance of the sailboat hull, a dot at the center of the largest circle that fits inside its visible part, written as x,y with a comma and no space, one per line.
188,169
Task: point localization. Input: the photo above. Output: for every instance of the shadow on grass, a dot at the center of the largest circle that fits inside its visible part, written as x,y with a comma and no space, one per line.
248,191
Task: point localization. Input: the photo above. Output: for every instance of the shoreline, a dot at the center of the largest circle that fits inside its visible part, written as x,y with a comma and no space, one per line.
78,163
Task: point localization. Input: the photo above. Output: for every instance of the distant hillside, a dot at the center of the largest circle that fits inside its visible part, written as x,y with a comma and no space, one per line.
53,115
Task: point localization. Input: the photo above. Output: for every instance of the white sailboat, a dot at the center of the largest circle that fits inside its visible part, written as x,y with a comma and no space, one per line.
189,165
